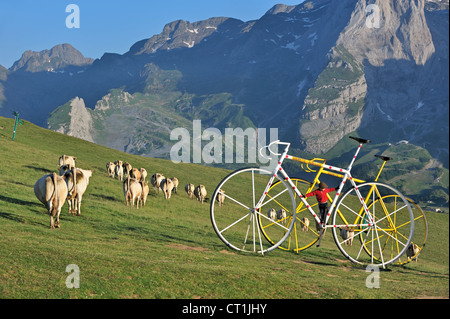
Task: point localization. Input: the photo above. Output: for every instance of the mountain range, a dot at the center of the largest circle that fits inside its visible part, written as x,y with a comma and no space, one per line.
317,71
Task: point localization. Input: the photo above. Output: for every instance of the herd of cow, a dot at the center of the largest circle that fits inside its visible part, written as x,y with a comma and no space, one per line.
71,183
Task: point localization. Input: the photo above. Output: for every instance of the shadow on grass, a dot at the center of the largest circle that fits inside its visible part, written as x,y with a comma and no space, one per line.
40,169
17,201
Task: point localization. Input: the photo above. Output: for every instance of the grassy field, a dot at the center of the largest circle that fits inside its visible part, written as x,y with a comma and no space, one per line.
167,249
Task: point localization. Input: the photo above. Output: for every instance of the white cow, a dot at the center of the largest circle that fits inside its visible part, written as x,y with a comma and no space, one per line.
272,214
119,171
220,197
167,187
200,192
76,184
347,235
132,191
51,190
305,224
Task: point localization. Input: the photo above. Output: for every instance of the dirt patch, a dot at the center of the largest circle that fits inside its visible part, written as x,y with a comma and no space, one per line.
186,247
227,252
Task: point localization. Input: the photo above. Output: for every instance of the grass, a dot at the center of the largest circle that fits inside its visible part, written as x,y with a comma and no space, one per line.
167,249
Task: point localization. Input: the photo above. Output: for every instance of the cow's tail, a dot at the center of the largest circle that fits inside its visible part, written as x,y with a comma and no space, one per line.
54,200
128,194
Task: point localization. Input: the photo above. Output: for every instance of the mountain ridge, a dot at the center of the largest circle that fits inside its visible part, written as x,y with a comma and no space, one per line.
296,60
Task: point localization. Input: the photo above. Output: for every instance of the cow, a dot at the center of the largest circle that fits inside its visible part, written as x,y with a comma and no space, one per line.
347,235
200,192
135,173
66,159
77,183
119,171
305,224
281,216
145,191
220,197
63,169
189,188
126,169
175,184
272,214
51,190
167,187
156,180
132,191
413,250
110,167
143,174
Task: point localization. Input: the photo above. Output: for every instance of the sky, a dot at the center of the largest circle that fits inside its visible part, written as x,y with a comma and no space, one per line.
107,25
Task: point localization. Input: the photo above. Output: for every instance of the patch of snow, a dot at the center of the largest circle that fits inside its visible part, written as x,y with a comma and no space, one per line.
313,38
291,46
419,105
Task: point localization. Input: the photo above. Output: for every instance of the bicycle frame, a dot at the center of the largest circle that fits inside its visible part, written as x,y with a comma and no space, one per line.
346,176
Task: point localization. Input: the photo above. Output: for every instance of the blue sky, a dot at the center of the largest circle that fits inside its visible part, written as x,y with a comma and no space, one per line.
106,26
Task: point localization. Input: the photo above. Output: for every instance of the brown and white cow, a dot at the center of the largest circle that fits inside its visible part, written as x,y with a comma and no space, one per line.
51,190
136,174
67,159
143,174
76,185
189,188
156,180
110,167
126,169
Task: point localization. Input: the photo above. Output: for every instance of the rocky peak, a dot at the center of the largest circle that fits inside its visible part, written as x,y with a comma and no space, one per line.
402,33
58,57
183,34
280,8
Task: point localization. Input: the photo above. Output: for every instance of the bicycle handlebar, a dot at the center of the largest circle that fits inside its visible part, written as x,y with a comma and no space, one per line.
270,151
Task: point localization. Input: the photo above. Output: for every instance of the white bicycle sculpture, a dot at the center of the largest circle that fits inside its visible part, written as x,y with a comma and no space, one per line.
367,225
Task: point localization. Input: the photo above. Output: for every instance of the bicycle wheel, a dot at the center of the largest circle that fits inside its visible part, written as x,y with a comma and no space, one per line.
237,221
383,231
304,233
420,230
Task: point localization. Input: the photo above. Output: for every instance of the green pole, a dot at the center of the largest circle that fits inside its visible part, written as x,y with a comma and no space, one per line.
16,114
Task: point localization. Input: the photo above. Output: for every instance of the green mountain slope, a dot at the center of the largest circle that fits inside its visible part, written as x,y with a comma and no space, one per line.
167,249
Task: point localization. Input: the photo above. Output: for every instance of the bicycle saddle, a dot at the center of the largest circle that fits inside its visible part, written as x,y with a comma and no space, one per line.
360,140
384,158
